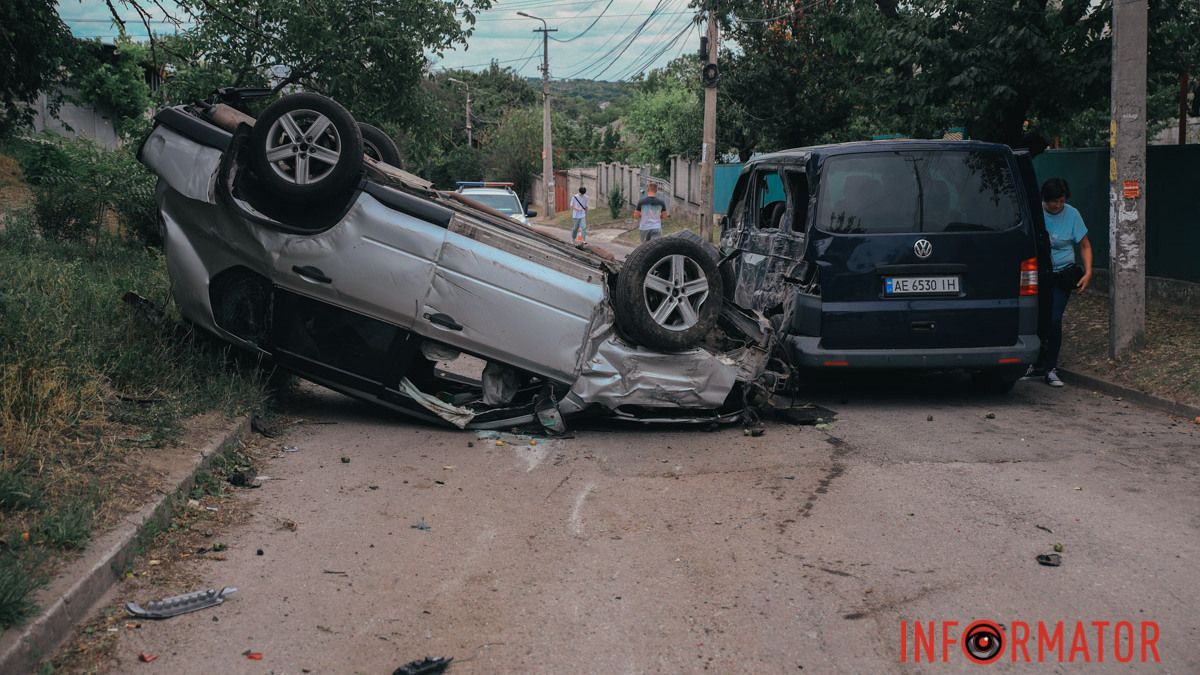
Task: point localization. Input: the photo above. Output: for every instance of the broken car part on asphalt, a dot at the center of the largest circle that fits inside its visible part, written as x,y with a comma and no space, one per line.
430,665
282,238
179,604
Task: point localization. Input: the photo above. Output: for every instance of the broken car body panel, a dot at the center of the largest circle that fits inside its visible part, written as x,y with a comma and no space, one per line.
346,294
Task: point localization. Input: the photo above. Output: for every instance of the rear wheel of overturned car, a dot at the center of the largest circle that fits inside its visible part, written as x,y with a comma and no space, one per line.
307,147
378,145
668,294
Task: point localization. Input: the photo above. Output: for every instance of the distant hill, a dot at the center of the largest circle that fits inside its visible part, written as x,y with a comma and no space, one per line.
588,90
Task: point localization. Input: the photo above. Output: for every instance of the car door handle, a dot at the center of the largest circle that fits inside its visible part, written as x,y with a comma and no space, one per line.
443,320
311,273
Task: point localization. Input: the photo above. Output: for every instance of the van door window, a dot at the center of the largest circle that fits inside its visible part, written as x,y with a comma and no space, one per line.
917,191
770,200
796,219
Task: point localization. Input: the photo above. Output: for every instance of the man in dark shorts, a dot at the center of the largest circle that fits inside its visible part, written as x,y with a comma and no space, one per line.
650,212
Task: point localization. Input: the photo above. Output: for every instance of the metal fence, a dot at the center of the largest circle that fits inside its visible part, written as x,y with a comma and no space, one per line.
1172,203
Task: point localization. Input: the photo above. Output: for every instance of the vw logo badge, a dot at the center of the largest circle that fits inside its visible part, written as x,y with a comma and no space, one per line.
923,248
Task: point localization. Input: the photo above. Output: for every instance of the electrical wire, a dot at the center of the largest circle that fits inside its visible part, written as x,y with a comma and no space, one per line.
627,42
646,58
590,26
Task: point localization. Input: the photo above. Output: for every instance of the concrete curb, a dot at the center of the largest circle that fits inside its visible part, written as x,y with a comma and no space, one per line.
69,597
1132,395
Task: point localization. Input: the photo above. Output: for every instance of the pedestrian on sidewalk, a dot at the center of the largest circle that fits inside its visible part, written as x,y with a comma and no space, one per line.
1067,233
579,206
650,212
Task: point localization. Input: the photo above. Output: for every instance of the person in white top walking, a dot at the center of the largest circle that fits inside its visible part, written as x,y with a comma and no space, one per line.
579,206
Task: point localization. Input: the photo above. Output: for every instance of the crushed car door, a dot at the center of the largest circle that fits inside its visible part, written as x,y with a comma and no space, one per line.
378,260
512,299
773,218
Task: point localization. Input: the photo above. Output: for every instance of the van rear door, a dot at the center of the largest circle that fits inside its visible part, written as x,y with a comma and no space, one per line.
920,248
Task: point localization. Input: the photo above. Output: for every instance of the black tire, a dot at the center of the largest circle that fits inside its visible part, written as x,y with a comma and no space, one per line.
305,168
996,380
687,276
379,146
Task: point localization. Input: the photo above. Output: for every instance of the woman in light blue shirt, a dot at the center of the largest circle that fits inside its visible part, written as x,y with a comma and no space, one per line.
1067,232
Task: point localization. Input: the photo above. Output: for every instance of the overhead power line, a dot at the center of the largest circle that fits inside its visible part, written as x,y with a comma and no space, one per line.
590,26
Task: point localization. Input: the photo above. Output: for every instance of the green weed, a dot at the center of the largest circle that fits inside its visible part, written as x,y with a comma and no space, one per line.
67,527
17,584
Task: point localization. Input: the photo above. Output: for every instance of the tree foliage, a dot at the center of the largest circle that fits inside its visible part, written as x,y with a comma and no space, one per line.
369,54
514,148
113,81
666,119
34,43
994,65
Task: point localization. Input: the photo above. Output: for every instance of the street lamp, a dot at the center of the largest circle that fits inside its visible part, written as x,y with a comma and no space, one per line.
470,140
547,145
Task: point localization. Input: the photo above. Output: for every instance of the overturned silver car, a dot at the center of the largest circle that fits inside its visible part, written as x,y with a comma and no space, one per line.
282,237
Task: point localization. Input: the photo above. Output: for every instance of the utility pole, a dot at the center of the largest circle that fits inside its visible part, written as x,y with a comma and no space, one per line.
1127,177
709,76
470,140
547,144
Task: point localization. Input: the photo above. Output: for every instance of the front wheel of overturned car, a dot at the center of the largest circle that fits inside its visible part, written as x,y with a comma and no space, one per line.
378,145
668,294
307,147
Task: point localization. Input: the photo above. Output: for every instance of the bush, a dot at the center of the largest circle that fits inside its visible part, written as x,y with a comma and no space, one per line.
616,201
81,189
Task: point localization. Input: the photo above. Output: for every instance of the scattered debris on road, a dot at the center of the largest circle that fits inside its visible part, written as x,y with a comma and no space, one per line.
1050,559
1058,548
422,526
345,459
179,604
291,448
430,665
262,427
1044,528
252,655
145,657
990,416
244,479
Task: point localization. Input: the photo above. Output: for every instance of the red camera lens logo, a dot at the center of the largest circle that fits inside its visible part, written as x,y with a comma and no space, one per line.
983,642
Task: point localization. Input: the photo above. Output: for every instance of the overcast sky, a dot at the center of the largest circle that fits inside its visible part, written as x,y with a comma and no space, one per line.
628,36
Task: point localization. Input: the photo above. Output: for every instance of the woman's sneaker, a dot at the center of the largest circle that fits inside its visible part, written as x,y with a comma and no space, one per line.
1052,378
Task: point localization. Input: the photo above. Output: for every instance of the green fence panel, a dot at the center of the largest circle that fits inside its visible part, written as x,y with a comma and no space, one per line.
724,179
1173,211
1172,203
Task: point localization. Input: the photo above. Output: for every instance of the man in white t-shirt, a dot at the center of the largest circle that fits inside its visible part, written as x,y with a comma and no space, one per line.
579,206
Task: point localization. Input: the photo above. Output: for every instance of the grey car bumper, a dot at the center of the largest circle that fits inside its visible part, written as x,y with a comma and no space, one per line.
807,351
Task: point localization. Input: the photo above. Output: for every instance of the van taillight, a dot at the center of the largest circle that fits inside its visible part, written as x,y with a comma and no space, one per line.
1029,277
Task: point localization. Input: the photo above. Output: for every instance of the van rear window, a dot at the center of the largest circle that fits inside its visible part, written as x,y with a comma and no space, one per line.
942,191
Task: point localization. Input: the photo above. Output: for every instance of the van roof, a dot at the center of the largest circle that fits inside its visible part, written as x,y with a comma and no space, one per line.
802,155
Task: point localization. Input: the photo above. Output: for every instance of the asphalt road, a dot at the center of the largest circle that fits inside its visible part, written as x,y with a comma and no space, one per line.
631,549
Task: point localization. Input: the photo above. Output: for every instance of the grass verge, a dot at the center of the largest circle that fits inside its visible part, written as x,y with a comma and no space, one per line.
87,388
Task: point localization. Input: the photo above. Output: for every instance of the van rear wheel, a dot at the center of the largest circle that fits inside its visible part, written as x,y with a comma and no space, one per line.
996,380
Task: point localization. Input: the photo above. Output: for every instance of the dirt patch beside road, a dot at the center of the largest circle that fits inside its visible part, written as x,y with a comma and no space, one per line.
1166,366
